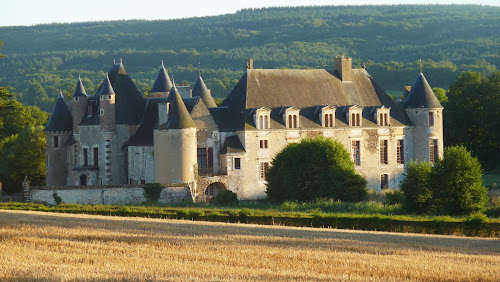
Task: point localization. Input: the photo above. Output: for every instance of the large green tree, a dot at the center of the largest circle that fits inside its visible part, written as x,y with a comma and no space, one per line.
472,116
415,187
312,169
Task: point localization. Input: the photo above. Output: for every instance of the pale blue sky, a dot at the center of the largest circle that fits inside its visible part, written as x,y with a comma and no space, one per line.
31,12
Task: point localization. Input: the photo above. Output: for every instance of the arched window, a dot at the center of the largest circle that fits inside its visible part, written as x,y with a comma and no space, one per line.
331,120
358,120
386,123
326,120
353,120
295,121
266,124
261,125
381,120
289,121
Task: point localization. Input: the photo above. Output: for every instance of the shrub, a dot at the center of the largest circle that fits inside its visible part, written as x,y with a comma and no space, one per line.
312,169
416,187
394,197
226,197
457,183
57,199
152,192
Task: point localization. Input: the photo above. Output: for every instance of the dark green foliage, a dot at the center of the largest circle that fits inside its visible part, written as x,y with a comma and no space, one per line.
389,39
416,187
454,186
57,199
440,95
226,197
394,197
457,183
152,192
313,169
472,116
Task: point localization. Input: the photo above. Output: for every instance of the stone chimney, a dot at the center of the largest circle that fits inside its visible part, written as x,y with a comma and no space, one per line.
250,64
343,66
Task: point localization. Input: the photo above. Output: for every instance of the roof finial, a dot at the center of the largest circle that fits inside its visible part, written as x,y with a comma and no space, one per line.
163,66
364,65
121,61
114,62
420,65
79,78
173,80
199,68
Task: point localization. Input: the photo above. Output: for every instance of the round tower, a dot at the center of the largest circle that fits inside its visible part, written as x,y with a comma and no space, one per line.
175,148
58,132
107,101
426,113
80,100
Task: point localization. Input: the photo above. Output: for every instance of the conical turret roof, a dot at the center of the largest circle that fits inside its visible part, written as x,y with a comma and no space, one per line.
60,119
421,95
162,83
178,116
201,90
79,90
106,88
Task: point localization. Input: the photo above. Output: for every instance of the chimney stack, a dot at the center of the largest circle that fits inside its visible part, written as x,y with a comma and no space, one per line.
343,66
250,64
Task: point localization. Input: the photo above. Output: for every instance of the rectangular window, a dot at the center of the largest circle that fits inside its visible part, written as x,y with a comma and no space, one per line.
384,181
237,163
263,144
56,141
85,157
89,110
202,158
433,150
102,112
383,152
96,157
356,153
264,167
132,156
431,118
400,150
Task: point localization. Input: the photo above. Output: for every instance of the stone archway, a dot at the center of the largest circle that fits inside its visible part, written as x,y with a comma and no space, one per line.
212,190
203,184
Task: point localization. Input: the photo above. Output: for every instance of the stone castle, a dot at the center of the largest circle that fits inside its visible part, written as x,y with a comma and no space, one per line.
179,134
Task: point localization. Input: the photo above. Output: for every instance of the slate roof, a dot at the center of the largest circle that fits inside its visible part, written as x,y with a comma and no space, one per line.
60,119
421,95
232,145
178,117
201,90
277,88
162,83
106,88
79,89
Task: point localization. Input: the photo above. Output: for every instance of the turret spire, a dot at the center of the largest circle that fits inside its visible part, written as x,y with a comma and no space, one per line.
421,95
201,90
60,119
162,83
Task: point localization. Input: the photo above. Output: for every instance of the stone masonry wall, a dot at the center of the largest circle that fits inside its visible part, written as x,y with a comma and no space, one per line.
108,195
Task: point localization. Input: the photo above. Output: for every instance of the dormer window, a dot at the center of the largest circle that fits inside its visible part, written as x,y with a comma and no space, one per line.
262,118
76,99
327,116
383,116
102,97
354,115
89,110
291,117
110,97
102,112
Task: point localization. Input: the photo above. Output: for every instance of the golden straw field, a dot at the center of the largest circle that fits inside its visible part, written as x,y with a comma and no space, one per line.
45,246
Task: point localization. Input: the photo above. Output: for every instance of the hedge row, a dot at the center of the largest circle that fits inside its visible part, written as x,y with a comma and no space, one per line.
473,226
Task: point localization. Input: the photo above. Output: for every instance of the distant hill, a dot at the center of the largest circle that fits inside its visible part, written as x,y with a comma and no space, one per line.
41,59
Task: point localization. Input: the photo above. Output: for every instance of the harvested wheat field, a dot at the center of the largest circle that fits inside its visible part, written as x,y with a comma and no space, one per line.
35,245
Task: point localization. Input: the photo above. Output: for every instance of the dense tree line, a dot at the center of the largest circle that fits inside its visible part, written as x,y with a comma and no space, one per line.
42,59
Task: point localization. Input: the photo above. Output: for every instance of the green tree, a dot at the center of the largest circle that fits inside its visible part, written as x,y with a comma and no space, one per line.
416,187
312,169
440,95
457,183
22,155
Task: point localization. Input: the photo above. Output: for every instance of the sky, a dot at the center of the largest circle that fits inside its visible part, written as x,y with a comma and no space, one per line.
32,12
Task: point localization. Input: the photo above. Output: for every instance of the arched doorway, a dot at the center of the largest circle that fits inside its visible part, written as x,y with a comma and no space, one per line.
83,180
212,190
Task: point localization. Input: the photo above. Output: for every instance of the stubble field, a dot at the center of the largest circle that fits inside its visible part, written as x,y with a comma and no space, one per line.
44,246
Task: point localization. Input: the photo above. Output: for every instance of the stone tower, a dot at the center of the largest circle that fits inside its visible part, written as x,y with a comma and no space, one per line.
107,100
80,103
175,144
58,132
426,113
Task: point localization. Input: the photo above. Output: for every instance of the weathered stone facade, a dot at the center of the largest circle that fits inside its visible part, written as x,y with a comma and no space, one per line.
181,136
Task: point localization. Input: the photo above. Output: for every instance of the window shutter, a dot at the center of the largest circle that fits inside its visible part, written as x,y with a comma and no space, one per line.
210,157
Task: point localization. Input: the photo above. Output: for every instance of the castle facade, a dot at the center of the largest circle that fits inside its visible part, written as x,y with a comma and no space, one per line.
179,135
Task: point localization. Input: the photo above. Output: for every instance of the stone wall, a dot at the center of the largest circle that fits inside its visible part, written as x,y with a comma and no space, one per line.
108,194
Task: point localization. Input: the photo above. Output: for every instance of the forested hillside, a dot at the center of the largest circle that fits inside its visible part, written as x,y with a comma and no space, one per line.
40,60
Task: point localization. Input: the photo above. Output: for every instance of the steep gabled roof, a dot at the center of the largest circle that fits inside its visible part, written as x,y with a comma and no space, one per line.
162,83
421,95
178,116
201,90
276,88
79,89
60,119
232,145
